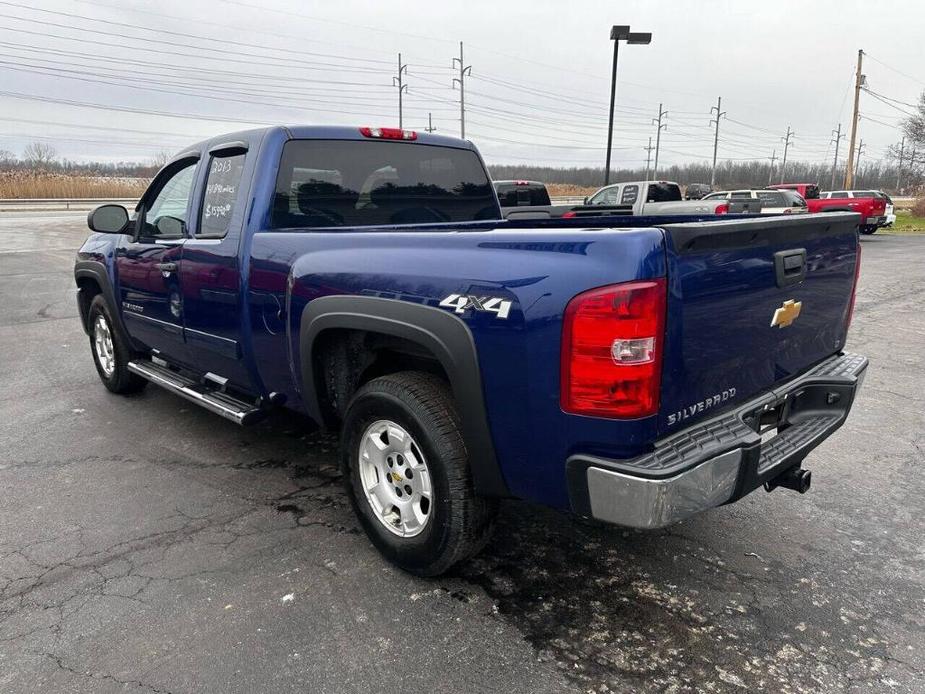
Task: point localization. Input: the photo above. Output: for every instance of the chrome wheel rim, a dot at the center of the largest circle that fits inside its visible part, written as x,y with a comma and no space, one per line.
395,479
102,341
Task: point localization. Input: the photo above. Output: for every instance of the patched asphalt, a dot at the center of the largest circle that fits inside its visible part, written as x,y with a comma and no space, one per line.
146,545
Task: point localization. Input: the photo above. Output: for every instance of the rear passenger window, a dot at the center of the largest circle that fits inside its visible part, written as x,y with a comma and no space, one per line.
630,195
346,183
838,195
220,195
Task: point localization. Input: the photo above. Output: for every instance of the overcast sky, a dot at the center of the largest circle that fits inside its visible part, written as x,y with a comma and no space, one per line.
123,79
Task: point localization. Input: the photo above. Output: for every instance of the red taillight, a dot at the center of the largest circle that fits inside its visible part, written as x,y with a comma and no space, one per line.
389,133
721,209
612,342
569,214
854,289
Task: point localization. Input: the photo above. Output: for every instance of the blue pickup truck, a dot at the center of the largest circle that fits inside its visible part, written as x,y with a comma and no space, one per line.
634,370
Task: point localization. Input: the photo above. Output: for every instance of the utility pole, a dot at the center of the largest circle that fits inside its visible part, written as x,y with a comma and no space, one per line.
857,162
837,137
464,71
430,123
402,87
858,81
658,136
899,172
771,170
648,150
719,114
783,162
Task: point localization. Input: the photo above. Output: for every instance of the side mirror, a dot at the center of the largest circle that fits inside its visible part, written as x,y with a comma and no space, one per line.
586,200
108,219
170,227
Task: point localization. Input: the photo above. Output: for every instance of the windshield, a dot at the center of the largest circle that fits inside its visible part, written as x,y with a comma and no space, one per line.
344,183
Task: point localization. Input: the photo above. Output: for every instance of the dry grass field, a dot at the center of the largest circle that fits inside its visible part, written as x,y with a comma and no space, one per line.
22,184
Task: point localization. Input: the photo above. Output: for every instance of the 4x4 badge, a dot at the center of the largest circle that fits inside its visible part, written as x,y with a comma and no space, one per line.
493,304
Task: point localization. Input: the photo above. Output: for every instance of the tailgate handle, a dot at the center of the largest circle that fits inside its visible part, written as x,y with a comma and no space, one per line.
790,266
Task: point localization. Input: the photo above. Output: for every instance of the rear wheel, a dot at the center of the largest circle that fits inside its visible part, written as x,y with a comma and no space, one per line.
406,469
111,352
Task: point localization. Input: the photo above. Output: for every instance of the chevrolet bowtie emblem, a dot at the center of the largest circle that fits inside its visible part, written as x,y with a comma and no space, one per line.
786,314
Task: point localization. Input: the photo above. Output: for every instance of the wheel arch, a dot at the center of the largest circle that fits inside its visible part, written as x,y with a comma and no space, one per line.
92,279
437,333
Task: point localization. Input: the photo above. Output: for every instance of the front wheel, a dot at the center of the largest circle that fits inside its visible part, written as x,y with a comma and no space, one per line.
111,353
406,469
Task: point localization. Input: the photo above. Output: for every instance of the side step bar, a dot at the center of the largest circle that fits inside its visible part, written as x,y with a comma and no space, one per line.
229,407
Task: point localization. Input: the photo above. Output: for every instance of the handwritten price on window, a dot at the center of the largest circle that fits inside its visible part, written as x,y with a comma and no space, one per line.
216,210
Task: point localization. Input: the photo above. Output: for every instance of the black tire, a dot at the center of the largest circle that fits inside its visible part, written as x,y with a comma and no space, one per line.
459,522
868,230
121,380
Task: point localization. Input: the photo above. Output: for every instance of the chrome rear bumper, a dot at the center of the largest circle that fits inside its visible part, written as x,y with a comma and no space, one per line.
721,459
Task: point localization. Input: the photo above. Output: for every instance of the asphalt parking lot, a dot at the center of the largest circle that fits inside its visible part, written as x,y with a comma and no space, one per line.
146,545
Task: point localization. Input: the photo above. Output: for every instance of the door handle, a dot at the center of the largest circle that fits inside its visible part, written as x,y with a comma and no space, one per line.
166,268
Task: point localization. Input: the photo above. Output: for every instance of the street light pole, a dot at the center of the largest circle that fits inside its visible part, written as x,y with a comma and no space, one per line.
618,33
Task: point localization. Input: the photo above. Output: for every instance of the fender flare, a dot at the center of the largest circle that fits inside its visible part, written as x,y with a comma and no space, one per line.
443,334
96,271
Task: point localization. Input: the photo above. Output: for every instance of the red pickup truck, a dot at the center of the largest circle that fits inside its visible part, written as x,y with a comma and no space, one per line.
871,208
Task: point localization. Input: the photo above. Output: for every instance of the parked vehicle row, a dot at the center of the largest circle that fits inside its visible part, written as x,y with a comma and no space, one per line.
365,277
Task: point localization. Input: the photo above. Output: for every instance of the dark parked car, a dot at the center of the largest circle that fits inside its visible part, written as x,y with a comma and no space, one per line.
695,191
521,193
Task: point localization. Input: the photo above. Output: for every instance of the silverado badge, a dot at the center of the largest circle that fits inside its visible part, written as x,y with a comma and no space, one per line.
787,313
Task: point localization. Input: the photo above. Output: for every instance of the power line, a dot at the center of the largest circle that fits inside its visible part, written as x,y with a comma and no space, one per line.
898,72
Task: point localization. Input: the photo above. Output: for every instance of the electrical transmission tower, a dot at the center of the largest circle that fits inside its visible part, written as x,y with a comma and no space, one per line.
857,160
783,163
402,87
719,114
649,148
662,116
464,71
837,137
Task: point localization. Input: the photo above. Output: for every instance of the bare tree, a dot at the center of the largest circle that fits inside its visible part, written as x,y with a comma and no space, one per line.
160,159
39,155
914,125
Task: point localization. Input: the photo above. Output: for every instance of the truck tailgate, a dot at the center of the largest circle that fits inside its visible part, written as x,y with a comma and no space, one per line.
728,282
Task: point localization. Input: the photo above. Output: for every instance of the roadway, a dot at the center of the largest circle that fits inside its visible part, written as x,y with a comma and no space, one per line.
148,546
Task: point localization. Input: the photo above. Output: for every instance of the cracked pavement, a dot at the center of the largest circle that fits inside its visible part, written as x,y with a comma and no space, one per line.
149,546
